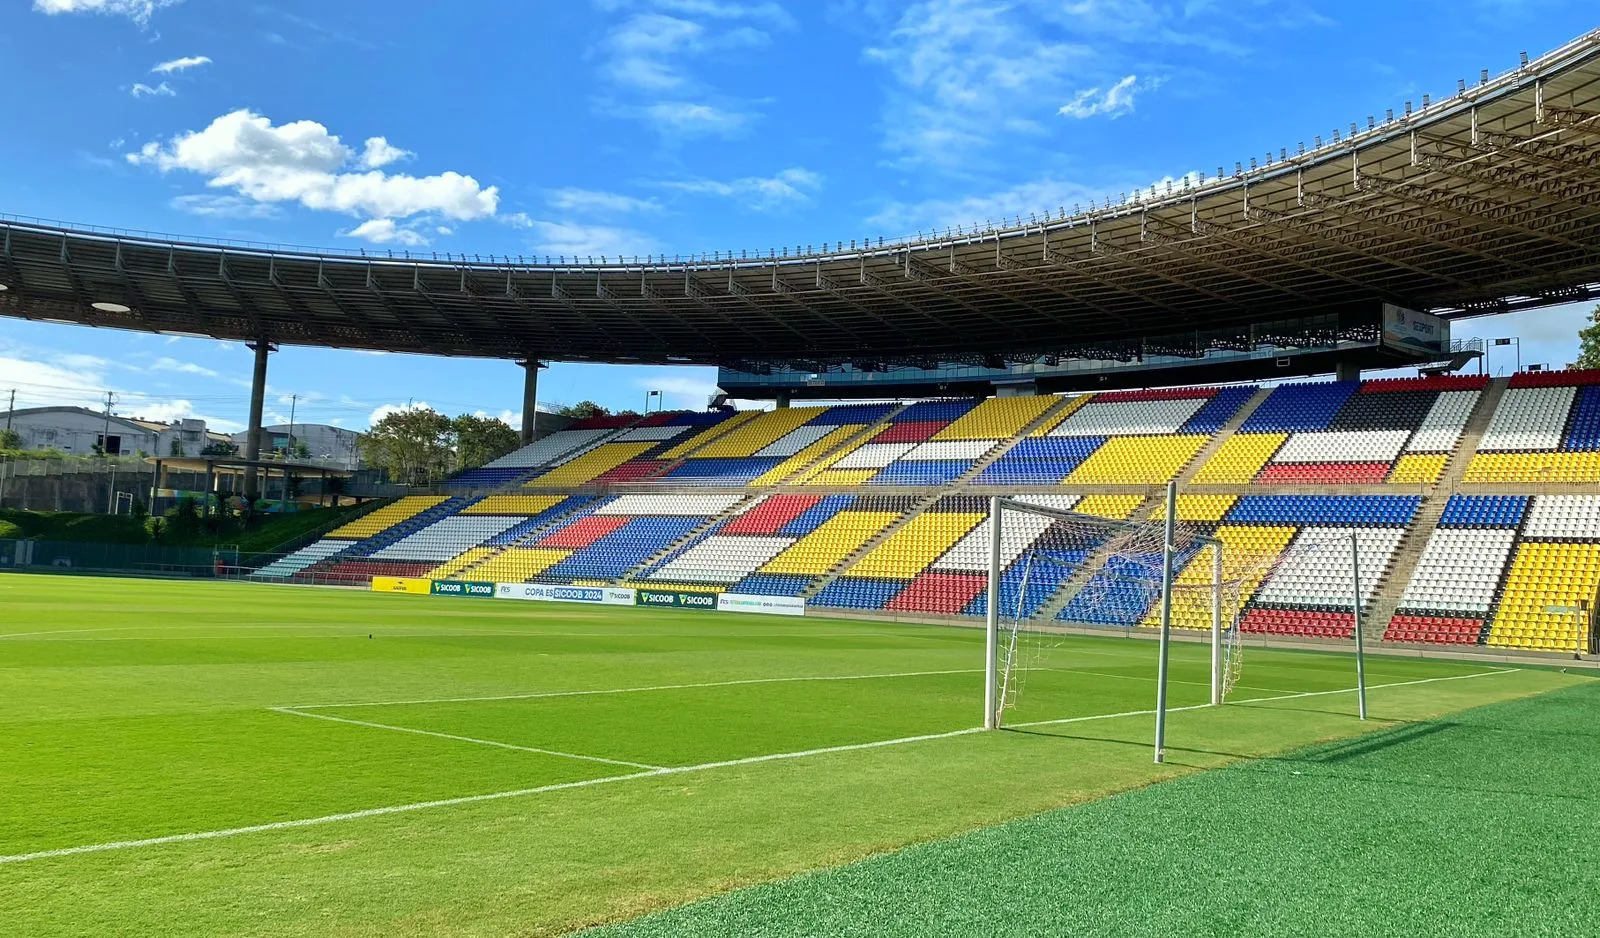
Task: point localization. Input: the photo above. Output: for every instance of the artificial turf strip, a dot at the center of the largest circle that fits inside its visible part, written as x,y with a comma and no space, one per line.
134,709
1477,824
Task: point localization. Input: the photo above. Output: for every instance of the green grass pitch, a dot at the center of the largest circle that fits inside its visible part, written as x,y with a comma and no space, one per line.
221,759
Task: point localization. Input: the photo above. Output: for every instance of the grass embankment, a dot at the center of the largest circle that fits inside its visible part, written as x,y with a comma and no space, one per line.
139,709
268,532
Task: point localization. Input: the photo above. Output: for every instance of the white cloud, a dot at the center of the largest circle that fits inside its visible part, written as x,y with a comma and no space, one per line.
385,231
786,187
1113,102
963,69
593,201
1037,196
139,11
688,118
384,410
223,206
45,378
571,238
302,162
142,90
187,368
379,152
648,57
181,64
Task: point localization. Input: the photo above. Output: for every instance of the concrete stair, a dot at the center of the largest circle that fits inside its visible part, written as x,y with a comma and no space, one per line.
1488,402
1095,563
522,541
847,444
1217,439
840,568
689,538
1402,565
1006,446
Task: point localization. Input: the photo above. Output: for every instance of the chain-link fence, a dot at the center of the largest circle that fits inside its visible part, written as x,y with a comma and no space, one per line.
144,559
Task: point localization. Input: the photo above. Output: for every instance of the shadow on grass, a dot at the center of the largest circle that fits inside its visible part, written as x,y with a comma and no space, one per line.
1133,743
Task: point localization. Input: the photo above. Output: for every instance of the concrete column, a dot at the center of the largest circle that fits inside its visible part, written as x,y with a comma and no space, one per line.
530,399
1347,371
782,400
258,398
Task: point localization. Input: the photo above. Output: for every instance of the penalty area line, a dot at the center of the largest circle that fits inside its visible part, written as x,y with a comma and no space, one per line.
630,690
469,799
650,773
463,739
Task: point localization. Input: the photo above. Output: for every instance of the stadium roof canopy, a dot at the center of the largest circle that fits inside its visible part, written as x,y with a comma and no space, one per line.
1484,200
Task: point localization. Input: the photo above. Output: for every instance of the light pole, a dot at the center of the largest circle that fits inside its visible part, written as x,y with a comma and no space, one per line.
1516,341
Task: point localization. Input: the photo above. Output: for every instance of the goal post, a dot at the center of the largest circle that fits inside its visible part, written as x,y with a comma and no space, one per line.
1123,550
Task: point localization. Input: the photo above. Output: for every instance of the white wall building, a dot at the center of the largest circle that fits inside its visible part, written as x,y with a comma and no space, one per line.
332,445
77,430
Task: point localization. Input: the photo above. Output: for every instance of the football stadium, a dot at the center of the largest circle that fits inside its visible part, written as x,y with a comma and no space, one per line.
1075,575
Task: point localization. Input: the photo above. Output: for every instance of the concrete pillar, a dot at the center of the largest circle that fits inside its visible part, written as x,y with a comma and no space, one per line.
155,487
258,398
211,485
530,399
1346,371
782,400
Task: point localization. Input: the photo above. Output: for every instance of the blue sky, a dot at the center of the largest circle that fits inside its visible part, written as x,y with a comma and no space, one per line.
555,127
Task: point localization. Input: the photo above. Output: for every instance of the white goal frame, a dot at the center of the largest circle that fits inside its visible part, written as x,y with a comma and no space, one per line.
999,505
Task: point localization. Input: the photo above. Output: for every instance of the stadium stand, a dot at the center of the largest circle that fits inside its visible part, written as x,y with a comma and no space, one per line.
1546,429
735,502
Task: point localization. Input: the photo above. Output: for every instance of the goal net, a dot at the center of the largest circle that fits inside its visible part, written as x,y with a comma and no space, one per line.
1056,571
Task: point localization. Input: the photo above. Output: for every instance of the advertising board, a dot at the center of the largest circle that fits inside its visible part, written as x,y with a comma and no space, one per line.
674,599
466,589
1409,329
401,584
547,593
765,605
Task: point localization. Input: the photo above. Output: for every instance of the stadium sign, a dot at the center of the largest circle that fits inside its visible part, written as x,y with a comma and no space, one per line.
401,584
765,605
543,592
676,599
1408,329
464,588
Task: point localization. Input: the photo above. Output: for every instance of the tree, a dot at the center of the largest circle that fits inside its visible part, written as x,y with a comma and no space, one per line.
480,439
220,448
302,450
1589,342
176,449
10,439
583,409
416,446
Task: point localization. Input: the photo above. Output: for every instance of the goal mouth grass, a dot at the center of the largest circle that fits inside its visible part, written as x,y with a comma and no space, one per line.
1467,824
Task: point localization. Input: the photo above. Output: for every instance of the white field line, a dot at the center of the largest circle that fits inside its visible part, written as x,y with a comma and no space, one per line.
1249,700
676,770
631,690
465,799
110,628
464,739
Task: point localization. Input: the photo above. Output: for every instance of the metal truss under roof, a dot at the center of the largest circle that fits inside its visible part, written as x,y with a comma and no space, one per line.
1487,200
